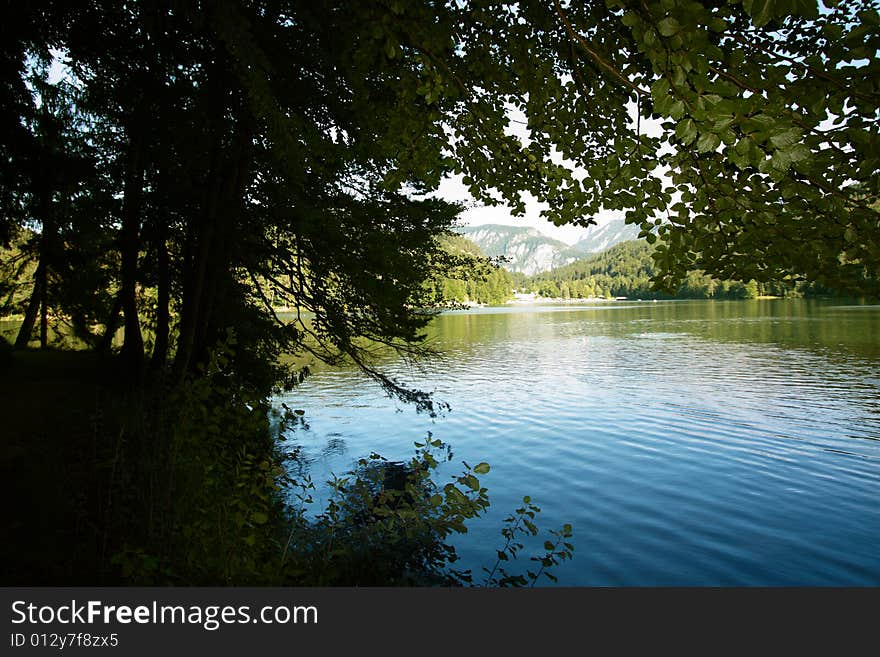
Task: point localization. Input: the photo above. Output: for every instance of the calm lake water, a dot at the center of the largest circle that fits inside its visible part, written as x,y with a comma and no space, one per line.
688,443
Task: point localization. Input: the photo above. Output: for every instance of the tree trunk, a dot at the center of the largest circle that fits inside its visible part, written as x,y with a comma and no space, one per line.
43,284
112,323
200,243
193,297
229,197
30,315
133,344
39,301
160,347
207,275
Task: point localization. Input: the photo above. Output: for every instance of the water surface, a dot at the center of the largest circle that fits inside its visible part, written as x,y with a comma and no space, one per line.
689,443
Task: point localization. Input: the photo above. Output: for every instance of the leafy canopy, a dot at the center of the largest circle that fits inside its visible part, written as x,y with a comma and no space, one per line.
765,161
282,152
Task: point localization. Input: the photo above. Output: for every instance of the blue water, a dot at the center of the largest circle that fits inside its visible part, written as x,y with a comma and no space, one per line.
688,443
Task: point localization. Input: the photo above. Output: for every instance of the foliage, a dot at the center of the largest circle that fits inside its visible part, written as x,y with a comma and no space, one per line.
623,270
761,162
195,484
522,523
386,524
235,183
233,155
771,108
389,524
256,153
468,276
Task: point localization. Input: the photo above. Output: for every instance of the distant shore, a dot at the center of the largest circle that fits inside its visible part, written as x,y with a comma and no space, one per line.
526,299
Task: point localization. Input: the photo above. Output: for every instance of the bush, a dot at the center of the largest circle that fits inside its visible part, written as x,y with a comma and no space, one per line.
205,497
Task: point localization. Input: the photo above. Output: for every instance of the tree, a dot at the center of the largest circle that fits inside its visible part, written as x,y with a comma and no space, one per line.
243,154
765,165
272,152
242,183
462,263
774,108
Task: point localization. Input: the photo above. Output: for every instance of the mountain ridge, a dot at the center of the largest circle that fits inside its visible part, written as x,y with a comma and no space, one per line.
527,250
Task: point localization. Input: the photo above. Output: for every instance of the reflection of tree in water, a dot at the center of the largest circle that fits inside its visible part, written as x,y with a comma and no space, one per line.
297,462
335,445
815,325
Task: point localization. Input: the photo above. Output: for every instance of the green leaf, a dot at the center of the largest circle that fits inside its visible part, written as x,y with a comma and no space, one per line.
686,131
669,26
870,17
707,142
799,153
629,19
806,9
660,90
787,137
721,125
760,11
664,105
481,468
832,31
259,518
718,24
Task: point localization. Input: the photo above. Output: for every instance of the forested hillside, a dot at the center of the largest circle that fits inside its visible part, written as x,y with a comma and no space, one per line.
625,270
470,277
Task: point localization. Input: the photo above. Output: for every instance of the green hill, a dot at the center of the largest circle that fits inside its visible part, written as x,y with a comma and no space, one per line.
626,269
467,276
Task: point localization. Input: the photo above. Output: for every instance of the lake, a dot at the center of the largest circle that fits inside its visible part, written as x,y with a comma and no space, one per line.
688,443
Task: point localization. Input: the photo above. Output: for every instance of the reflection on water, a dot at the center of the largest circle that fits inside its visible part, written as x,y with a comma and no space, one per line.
335,445
691,443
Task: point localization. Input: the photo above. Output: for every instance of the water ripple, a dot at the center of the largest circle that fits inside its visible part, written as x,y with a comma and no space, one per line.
688,444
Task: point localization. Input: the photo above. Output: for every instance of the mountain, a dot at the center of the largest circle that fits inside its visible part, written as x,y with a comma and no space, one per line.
604,236
470,282
525,249
530,252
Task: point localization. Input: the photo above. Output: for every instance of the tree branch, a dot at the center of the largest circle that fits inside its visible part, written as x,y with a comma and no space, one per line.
601,61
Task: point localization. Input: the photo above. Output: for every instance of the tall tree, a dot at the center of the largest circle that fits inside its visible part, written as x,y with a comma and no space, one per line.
272,151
